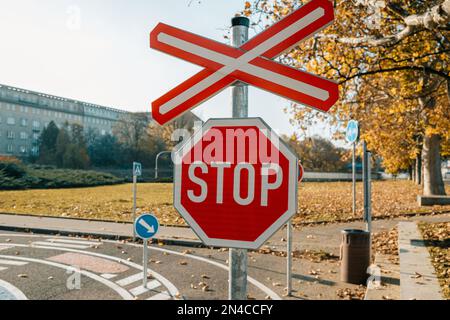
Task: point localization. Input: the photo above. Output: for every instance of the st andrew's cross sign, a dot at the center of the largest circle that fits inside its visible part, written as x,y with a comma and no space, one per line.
252,63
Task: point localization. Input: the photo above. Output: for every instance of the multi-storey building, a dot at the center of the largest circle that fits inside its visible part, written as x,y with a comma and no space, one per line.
24,114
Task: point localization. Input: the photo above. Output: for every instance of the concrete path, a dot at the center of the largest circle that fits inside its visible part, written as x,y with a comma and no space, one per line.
102,229
317,237
417,276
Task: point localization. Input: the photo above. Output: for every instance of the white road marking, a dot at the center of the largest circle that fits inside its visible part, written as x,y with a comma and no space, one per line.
3,268
131,279
83,242
59,245
140,290
253,281
12,262
5,247
121,291
160,296
109,276
166,283
16,292
239,63
172,289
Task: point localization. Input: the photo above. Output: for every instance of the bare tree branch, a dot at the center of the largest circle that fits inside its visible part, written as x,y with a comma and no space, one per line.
435,18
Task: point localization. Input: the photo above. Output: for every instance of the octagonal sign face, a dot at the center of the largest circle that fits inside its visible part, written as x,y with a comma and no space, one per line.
235,183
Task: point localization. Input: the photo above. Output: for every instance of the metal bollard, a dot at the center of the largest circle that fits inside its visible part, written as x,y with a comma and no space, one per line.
355,256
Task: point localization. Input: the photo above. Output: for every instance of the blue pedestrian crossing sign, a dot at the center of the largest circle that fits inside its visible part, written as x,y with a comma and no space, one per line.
352,134
146,226
137,169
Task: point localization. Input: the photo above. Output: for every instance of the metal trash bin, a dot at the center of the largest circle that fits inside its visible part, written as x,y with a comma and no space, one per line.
355,256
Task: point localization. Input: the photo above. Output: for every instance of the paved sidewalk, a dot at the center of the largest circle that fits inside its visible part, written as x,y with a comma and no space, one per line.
103,229
318,237
417,276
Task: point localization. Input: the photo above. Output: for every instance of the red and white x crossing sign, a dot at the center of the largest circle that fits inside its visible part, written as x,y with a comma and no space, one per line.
251,63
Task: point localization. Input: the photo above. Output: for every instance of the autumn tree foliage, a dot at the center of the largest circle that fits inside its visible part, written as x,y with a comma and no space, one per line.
318,154
392,61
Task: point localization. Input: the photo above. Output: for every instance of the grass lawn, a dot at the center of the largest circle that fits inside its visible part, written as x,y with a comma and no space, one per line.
317,201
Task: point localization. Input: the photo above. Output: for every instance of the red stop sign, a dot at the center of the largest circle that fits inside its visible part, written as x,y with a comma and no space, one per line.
235,183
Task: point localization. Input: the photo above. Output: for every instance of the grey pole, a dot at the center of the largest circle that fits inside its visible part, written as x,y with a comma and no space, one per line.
239,36
156,162
367,189
369,193
145,263
289,258
134,203
354,177
238,257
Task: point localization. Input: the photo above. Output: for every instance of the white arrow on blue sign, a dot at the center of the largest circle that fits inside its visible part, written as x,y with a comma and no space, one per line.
146,226
137,169
352,134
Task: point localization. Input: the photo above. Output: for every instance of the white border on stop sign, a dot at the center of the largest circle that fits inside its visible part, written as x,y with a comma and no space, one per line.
186,146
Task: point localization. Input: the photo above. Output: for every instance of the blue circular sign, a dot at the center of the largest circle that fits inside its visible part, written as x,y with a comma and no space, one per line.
146,226
352,134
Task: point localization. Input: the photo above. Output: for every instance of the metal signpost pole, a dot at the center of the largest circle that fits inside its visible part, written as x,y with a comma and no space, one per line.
238,257
134,201
369,193
367,189
289,258
145,263
354,177
146,227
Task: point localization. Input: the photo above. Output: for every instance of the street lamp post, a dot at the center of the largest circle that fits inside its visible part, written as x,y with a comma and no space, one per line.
156,162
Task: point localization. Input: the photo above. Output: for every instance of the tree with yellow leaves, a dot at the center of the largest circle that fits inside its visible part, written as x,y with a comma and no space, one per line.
392,61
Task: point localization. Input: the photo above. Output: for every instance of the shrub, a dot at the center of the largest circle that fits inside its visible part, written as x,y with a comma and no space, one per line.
14,176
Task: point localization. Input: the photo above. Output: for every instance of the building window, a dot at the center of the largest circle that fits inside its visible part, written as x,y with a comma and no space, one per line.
36,124
23,136
103,132
36,136
35,151
23,149
10,134
24,122
10,148
11,121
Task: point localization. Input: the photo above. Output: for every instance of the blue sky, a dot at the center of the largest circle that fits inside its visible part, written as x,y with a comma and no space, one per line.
106,59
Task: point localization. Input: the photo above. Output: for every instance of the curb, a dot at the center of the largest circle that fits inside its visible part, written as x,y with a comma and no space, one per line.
115,237
83,219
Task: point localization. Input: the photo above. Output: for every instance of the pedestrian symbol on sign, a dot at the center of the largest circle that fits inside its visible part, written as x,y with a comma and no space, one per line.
137,169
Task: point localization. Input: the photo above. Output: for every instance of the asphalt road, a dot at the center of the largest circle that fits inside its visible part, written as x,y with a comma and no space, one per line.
39,267
47,267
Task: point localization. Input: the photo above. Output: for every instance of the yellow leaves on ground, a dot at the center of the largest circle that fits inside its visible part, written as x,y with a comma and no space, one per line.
317,202
437,239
